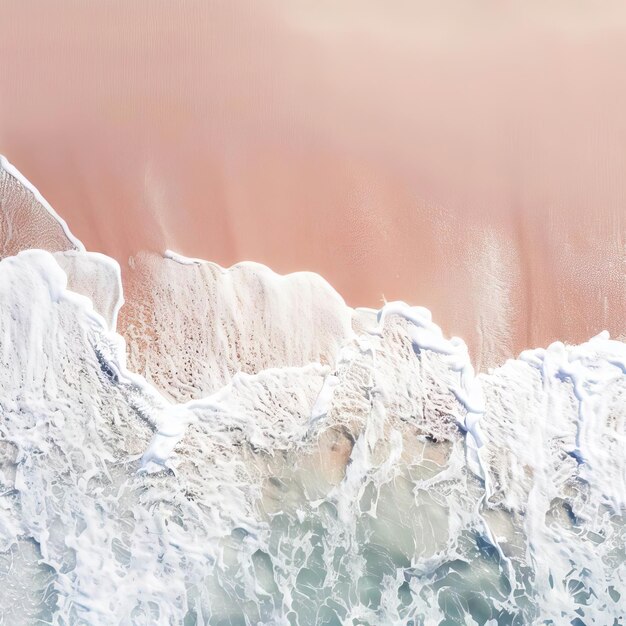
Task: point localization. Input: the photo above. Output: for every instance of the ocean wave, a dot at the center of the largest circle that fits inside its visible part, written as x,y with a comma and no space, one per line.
251,450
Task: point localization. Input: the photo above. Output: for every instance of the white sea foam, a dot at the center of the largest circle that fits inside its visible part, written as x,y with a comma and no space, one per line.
183,260
191,326
96,276
318,465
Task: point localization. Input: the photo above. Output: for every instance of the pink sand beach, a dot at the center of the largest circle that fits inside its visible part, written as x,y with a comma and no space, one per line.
468,159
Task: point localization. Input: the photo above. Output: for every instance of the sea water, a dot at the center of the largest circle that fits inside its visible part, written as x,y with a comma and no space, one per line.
352,469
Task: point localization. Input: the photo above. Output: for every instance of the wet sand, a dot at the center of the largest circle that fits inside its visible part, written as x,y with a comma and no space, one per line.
469,159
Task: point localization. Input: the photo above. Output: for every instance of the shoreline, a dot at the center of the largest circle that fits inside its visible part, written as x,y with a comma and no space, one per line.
471,163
